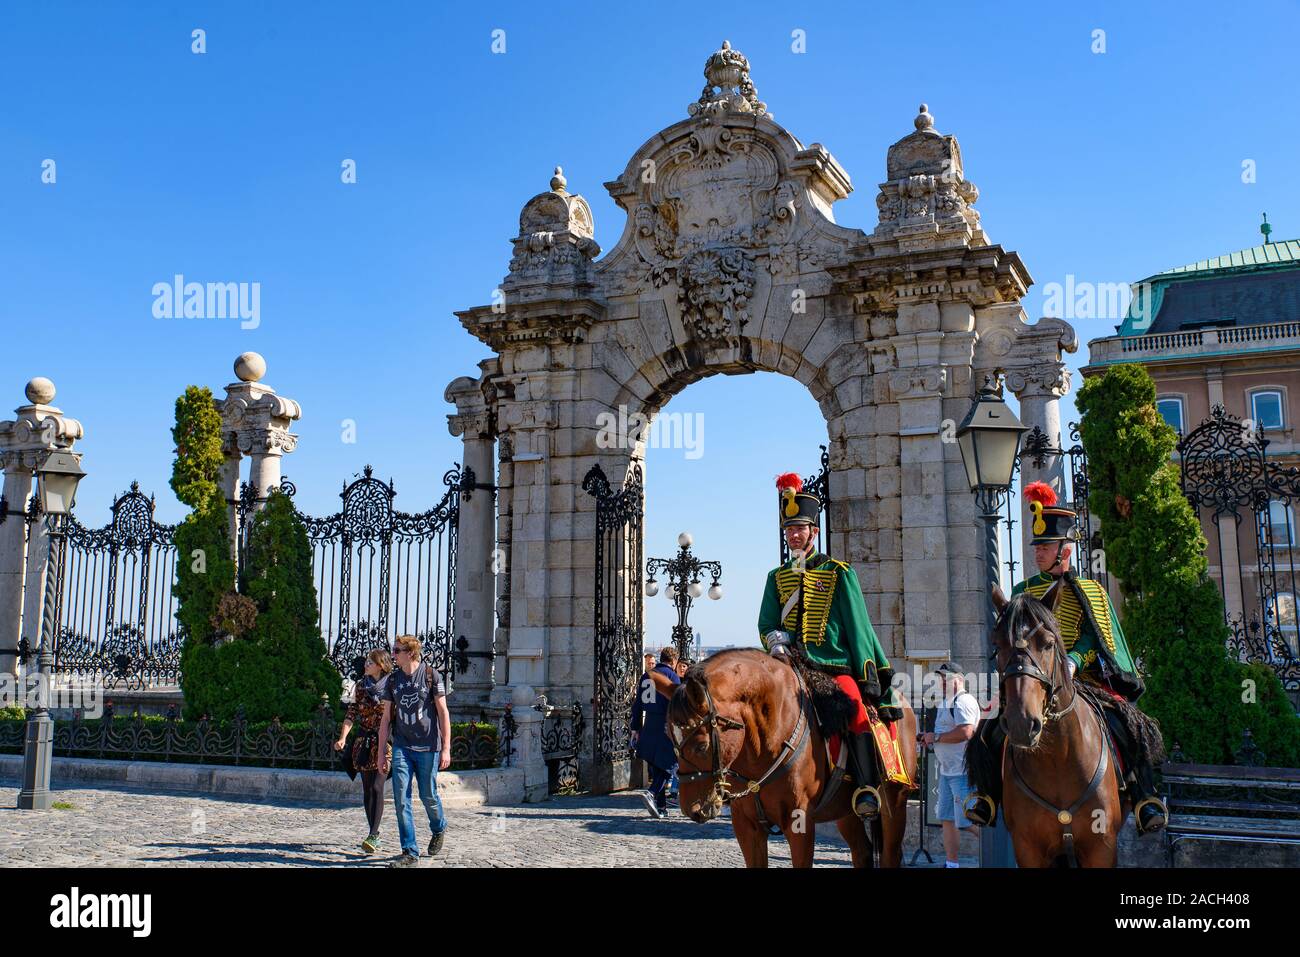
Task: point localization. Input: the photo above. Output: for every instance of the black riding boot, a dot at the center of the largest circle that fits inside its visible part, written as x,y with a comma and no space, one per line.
1149,812
984,751
866,775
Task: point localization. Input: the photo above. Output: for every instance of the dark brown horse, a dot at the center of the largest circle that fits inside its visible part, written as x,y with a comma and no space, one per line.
1060,786
744,726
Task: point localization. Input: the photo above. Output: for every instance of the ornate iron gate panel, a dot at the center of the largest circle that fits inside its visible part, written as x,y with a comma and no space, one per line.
380,572
1225,469
119,615
618,609
818,484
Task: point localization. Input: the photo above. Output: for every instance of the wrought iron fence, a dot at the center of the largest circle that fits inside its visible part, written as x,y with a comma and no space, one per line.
1226,472
118,617
240,742
380,572
562,731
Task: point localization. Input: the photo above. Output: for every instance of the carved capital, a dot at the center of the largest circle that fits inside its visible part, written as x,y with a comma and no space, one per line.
1052,381
918,383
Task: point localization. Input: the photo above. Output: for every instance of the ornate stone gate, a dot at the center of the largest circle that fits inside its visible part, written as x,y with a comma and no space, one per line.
731,261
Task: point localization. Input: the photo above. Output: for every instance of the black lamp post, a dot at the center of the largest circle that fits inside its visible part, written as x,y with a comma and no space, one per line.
989,440
683,574
57,481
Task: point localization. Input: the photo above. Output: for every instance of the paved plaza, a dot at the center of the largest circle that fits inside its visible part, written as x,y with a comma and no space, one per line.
120,827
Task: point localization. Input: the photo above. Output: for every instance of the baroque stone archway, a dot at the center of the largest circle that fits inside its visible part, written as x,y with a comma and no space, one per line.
731,261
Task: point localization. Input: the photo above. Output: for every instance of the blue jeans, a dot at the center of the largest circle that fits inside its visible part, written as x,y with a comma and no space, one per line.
424,766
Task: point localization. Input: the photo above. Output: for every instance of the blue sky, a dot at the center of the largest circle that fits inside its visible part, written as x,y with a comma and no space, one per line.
225,166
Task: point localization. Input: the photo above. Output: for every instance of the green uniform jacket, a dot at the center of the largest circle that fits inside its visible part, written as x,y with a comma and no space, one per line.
1091,632
830,618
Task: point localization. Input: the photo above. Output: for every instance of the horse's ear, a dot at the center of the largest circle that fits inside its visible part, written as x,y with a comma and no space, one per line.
1052,597
663,684
999,599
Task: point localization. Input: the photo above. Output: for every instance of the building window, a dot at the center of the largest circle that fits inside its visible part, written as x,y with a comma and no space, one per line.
1281,524
1171,410
1266,409
1285,610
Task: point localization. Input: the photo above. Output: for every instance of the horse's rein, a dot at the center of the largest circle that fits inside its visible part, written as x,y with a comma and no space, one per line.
791,747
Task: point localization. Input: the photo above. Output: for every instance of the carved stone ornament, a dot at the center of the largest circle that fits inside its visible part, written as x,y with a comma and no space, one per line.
728,88
555,244
715,284
927,200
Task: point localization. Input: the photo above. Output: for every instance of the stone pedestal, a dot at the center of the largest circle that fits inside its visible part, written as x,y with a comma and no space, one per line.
255,423
25,441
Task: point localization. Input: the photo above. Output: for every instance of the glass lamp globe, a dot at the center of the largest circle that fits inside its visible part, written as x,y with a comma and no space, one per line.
651,588
715,592
671,592
695,589
685,540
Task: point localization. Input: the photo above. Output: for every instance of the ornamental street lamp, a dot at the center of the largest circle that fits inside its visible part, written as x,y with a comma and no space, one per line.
989,440
58,478
683,574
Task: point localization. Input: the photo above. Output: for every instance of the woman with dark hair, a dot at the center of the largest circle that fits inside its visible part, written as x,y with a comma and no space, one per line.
366,711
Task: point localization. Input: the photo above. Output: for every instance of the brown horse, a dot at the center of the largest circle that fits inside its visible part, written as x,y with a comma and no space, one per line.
744,726
1060,785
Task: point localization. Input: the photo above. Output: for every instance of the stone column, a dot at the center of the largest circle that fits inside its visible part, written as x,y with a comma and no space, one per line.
24,443
919,392
476,562
258,420
1039,392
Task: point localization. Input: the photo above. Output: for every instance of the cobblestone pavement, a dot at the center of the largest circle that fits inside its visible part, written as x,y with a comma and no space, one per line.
120,827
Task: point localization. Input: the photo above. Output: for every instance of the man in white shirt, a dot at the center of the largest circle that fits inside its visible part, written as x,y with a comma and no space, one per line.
954,724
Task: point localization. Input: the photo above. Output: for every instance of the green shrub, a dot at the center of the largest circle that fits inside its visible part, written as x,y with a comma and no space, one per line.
279,668
1172,611
197,436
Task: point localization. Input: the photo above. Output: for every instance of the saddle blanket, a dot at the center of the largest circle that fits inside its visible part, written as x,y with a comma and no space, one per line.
888,750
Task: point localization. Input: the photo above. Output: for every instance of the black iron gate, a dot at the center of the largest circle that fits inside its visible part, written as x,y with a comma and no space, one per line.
380,572
118,622
618,613
1225,470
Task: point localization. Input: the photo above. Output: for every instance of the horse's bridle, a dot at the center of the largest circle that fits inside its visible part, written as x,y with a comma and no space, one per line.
791,748
1024,664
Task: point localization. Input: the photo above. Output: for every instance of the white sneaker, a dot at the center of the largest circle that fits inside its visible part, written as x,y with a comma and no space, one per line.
649,801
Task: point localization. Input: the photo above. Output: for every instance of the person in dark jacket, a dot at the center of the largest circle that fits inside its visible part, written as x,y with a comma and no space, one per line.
649,734
365,712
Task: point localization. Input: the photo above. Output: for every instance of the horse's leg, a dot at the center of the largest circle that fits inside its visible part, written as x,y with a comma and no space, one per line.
752,838
855,835
893,826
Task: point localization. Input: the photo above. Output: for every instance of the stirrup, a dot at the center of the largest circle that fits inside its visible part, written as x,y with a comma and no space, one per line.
1157,823
971,809
866,791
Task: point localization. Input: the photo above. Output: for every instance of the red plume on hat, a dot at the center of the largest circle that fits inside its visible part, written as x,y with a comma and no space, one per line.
789,480
1042,493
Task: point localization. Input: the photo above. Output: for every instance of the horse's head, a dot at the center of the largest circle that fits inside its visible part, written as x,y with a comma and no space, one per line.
707,734
1031,663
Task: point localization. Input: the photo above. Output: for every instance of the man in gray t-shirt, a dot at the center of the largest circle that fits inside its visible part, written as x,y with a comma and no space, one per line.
954,724
415,710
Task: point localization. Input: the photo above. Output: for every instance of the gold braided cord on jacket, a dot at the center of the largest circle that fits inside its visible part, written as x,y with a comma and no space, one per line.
1069,613
818,586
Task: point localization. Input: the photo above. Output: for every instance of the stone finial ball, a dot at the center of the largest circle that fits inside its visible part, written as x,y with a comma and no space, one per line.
250,367
40,391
